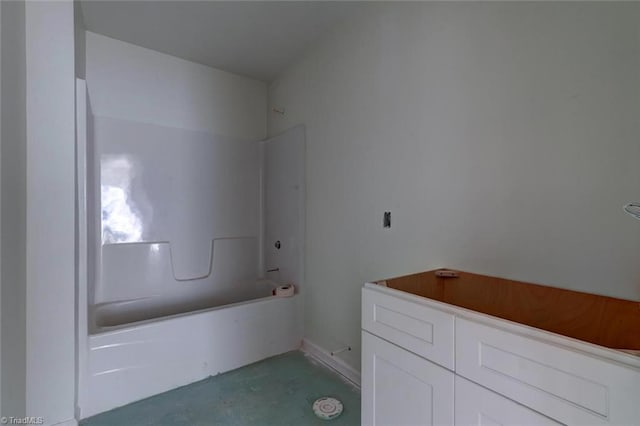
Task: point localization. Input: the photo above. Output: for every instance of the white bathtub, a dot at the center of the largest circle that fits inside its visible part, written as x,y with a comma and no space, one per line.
128,362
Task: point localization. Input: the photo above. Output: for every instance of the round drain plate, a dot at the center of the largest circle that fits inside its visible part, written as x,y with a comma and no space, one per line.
327,408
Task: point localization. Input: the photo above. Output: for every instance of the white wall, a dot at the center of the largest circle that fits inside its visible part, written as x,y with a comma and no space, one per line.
13,200
503,138
0,213
137,84
50,150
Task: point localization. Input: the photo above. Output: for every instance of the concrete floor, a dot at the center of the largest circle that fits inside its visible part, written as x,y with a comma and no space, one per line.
277,391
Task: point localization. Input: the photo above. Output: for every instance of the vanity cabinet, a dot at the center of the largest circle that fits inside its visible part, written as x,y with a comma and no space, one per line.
428,360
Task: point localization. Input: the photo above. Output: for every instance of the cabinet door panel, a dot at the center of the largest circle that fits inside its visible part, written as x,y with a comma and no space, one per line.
400,388
476,405
421,329
570,386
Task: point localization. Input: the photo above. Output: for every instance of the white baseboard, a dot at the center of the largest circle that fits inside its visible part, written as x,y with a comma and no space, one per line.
335,363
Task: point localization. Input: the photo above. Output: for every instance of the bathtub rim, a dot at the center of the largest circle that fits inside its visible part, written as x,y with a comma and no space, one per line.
102,330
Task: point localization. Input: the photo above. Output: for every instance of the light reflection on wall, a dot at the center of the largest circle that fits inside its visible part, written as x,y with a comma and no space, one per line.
120,221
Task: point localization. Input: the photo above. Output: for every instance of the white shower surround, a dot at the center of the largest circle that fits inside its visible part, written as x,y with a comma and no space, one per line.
123,357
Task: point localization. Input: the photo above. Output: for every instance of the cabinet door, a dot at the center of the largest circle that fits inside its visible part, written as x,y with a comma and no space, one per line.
400,388
570,386
476,405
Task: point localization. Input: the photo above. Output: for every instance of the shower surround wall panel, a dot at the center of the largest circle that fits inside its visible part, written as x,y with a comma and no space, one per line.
283,186
173,180
177,218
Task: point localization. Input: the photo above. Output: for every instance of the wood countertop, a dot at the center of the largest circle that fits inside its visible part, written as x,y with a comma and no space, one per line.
605,321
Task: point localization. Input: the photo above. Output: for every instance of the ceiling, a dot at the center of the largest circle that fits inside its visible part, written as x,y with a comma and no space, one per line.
258,39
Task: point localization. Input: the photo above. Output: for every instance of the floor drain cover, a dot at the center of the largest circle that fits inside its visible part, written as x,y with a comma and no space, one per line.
327,408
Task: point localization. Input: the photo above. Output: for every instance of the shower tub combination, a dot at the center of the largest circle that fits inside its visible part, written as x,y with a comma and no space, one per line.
169,260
